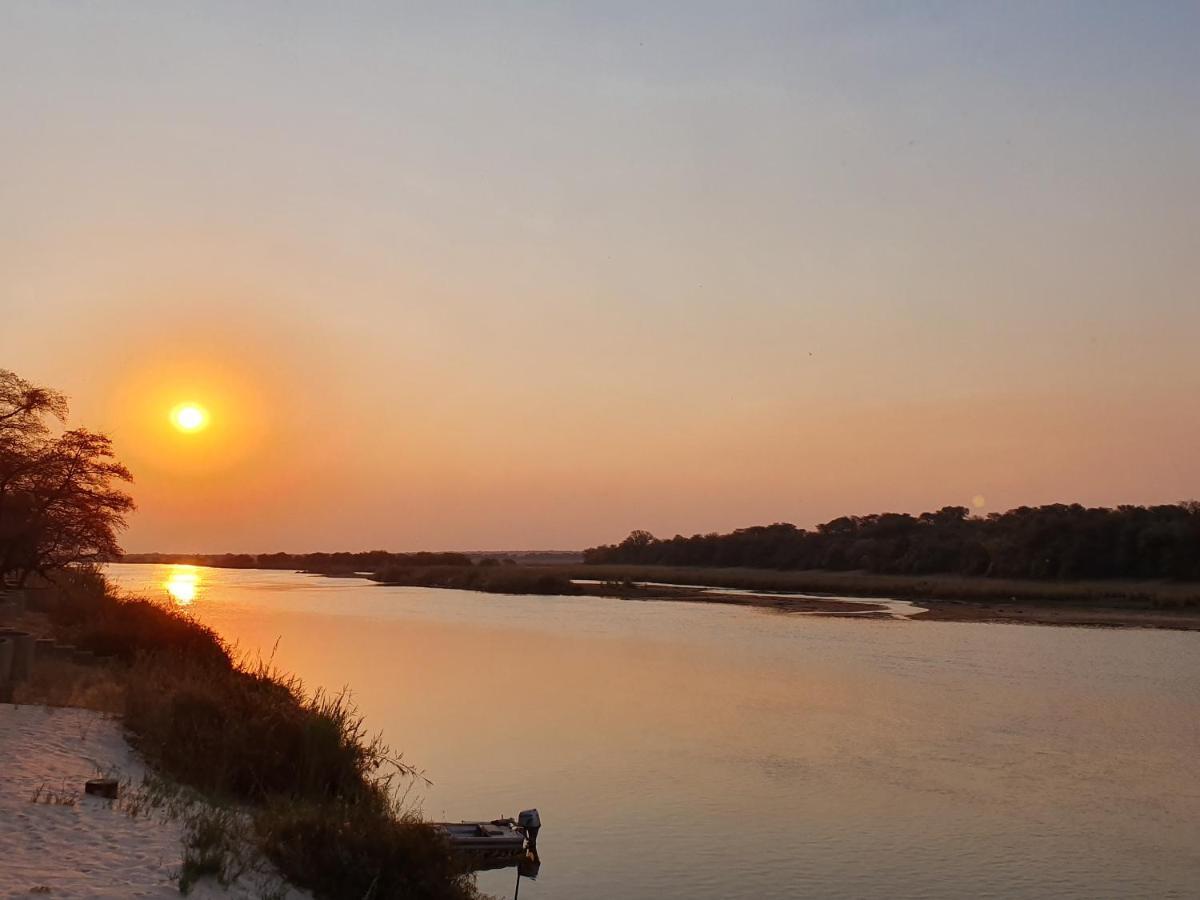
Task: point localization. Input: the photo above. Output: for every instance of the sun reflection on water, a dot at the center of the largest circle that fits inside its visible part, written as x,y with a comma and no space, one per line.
183,584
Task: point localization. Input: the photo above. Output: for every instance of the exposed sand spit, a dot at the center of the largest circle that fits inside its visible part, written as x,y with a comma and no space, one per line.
76,845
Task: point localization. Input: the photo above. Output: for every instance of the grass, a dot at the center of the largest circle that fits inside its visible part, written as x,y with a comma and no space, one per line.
492,579
246,733
55,796
84,612
64,683
360,848
1116,603
1136,594
291,775
213,847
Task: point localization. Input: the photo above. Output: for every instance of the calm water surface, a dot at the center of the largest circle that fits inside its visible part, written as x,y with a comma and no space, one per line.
696,751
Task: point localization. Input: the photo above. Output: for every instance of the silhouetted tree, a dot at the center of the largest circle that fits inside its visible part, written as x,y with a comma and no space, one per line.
1053,541
61,497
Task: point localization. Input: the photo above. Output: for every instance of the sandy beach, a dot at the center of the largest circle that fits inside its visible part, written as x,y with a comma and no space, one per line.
68,844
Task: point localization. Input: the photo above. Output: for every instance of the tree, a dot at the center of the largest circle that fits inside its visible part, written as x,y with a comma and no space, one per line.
61,497
1053,541
24,406
638,538
24,410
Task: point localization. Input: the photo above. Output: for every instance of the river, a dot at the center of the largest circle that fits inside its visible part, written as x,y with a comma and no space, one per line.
682,750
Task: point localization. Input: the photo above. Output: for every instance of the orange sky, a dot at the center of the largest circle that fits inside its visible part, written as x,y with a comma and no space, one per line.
535,280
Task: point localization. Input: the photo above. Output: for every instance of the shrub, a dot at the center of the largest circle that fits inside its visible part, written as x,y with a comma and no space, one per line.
313,787
128,629
212,847
247,734
87,613
364,848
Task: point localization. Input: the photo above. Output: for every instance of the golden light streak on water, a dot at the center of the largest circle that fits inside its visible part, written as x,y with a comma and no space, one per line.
183,584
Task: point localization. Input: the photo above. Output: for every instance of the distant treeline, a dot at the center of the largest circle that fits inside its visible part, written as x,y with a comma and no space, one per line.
1056,541
367,561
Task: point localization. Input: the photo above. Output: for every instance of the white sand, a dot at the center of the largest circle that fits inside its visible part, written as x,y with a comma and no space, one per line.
89,849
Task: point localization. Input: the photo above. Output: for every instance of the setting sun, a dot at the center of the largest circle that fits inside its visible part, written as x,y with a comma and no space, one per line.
189,417
695,394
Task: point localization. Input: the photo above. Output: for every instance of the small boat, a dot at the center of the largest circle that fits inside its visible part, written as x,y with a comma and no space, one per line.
499,837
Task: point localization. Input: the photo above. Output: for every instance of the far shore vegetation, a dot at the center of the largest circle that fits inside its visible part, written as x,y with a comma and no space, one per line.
1136,565
1138,603
1149,603
1056,542
358,562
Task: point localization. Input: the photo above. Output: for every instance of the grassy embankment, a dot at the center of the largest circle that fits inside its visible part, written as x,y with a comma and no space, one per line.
1164,604
309,788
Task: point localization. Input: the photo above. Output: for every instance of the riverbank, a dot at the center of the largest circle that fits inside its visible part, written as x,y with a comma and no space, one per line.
1131,604
282,775
547,580
827,606
952,598
59,842
691,712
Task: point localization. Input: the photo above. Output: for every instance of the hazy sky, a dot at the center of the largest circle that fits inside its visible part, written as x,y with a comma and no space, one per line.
533,275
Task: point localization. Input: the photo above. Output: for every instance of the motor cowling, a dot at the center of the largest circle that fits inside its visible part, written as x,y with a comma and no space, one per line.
531,822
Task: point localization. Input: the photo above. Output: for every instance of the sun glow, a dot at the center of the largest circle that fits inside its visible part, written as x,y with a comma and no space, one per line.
189,417
183,584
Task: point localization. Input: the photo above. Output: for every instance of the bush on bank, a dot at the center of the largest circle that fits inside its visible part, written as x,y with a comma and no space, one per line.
316,786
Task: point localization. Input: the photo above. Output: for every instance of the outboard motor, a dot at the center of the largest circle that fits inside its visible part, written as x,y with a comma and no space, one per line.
531,822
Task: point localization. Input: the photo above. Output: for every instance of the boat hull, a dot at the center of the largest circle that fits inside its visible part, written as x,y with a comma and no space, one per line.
483,837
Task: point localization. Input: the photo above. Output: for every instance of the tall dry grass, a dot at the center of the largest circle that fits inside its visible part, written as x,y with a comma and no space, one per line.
1109,592
316,789
63,683
492,579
